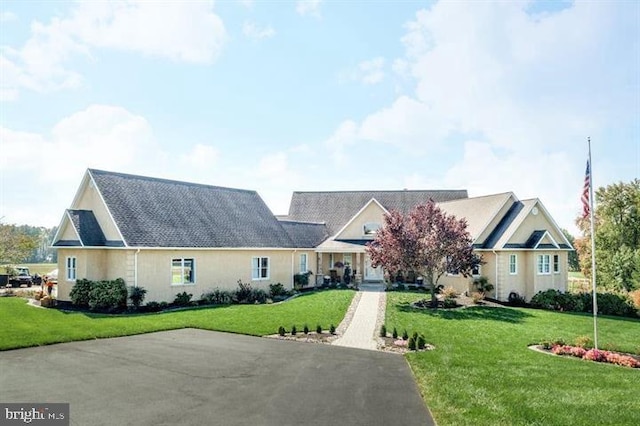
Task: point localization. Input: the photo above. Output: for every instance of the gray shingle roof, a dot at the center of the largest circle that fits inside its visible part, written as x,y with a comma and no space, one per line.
336,208
305,234
152,212
87,227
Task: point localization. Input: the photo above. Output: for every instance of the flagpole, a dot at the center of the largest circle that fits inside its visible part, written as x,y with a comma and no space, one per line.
593,252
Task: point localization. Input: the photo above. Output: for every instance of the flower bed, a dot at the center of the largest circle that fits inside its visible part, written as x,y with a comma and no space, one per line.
597,355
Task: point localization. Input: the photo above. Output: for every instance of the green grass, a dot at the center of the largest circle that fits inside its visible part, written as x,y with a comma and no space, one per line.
481,372
24,326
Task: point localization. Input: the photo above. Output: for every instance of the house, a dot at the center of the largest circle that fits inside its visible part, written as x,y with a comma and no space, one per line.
169,236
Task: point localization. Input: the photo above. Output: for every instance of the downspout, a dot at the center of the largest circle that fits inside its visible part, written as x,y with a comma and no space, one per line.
497,280
135,268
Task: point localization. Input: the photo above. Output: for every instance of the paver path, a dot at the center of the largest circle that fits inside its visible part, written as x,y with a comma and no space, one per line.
361,332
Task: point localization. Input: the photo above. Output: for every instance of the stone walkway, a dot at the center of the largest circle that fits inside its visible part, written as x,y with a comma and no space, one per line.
362,331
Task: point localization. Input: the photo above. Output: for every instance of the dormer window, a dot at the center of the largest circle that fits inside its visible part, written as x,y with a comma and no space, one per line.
370,229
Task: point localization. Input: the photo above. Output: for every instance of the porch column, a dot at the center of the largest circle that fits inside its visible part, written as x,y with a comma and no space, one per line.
320,272
359,269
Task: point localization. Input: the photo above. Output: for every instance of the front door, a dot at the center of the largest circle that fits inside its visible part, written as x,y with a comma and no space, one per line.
371,273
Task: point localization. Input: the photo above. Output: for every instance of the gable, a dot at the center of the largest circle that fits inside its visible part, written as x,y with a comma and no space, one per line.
337,208
533,229
364,223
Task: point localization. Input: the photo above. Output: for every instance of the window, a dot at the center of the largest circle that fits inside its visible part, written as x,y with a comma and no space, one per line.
513,264
71,268
556,264
475,270
183,271
260,268
303,263
543,264
369,229
346,259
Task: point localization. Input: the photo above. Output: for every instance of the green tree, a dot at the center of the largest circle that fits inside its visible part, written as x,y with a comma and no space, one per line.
617,237
574,262
15,244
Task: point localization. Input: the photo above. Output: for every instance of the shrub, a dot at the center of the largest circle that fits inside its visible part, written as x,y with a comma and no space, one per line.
411,344
152,306
635,298
577,351
595,355
516,300
301,280
477,297
183,299
217,297
305,329
615,304
383,331
281,331
332,329
482,284
319,329
556,300
421,342
276,290
108,295
246,294
80,293
405,335
449,293
584,342
548,344
136,295
400,287
395,333
449,303
294,330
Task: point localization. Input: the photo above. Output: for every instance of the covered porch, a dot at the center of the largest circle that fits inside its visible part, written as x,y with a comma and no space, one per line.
337,259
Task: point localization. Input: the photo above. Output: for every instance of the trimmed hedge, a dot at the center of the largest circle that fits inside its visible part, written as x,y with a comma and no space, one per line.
100,295
608,303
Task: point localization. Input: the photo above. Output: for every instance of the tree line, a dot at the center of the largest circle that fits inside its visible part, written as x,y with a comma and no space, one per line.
26,244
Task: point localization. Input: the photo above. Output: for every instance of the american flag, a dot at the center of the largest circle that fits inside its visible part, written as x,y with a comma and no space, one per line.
585,192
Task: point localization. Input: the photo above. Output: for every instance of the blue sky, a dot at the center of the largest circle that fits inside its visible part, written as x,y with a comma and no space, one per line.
318,95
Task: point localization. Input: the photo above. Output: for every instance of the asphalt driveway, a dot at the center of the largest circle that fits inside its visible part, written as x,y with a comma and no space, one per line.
198,377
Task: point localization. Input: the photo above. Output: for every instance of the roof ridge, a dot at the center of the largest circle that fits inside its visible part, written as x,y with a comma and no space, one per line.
165,180
363,191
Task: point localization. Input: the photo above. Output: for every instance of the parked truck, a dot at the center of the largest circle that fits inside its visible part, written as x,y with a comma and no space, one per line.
20,275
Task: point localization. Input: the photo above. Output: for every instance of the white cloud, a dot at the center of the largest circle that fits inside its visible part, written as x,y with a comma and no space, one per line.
254,32
179,31
247,3
522,91
309,8
101,136
368,72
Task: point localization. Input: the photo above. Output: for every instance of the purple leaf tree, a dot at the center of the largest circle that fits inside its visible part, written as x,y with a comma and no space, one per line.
426,241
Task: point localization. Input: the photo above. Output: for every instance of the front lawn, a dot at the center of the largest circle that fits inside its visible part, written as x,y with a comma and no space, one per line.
481,371
24,325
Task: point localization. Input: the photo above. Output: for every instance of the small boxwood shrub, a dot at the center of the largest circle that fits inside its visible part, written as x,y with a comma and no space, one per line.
411,344
281,331
319,329
332,329
421,342
395,333
383,331
277,290
305,329
405,335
